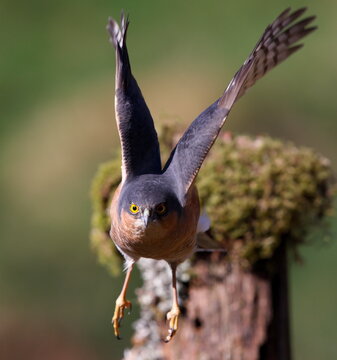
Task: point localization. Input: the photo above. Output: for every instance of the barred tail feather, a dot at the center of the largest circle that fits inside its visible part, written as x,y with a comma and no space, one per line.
118,40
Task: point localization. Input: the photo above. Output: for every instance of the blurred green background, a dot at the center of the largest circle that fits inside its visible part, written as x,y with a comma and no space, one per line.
57,125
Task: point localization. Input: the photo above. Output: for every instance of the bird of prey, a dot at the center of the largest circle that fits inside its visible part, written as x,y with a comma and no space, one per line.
155,210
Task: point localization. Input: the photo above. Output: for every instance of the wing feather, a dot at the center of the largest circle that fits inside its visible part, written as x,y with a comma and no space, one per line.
274,46
138,137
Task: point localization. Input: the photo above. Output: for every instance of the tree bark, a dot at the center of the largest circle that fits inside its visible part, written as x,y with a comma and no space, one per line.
235,314
277,345
231,313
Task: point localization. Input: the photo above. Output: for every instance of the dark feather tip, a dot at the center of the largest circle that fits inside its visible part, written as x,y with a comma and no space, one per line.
297,13
305,21
285,12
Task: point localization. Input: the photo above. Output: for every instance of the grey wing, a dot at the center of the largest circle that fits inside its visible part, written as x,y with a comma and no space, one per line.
139,142
274,46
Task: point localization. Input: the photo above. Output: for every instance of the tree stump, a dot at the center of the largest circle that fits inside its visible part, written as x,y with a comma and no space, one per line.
229,313
262,197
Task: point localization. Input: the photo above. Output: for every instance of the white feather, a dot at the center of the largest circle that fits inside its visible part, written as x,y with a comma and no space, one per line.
204,223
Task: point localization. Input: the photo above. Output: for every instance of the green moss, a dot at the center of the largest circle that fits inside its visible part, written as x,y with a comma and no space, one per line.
103,186
260,191
257,192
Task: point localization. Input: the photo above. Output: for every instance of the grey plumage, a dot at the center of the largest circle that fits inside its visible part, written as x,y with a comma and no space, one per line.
273,47
140,148
139,141
155,212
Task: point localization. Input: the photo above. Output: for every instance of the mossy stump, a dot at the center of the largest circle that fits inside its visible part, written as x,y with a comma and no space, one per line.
263,196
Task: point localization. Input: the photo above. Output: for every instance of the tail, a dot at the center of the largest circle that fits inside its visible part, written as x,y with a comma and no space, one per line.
206,243
118,39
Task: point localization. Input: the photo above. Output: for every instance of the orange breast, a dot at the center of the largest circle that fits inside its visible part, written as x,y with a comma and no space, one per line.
173,238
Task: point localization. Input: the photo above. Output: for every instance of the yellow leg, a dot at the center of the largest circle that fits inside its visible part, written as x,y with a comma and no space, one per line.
121,303
173,315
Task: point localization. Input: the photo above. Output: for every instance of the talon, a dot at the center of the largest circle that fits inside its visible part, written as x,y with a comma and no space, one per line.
171,333
173,317
121,305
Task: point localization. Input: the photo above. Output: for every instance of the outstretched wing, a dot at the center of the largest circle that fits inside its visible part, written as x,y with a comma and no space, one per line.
274,46
139,142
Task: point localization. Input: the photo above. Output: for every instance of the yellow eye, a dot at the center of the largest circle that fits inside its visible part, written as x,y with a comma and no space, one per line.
161,209
134,208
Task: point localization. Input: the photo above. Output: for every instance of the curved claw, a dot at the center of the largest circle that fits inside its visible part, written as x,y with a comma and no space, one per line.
121,305
171,333
173,317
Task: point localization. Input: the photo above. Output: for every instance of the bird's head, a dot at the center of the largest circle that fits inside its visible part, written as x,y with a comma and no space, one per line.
149,201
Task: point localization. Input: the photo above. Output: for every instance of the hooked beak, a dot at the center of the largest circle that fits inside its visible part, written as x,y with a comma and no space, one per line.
146,217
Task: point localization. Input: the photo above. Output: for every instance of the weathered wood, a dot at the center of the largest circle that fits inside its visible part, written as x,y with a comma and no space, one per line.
231,313
227,315
235,314
277,346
